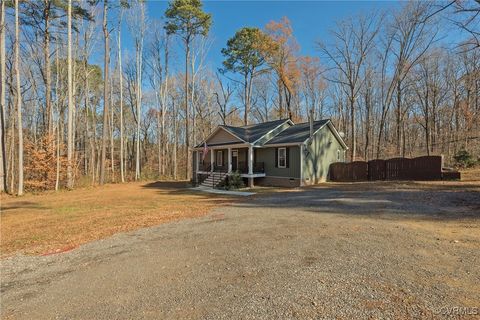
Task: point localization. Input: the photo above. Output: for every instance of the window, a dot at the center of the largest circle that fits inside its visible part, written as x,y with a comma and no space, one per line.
282,157
219,158
338,155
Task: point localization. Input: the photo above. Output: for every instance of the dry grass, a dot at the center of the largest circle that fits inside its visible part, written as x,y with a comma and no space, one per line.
55,222
470,174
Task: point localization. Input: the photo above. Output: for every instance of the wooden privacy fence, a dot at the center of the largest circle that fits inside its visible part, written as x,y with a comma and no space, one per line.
421,168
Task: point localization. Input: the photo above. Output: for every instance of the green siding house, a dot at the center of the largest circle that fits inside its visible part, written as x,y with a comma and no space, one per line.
274,153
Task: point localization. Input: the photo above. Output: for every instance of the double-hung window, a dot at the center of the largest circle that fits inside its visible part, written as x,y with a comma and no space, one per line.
282,157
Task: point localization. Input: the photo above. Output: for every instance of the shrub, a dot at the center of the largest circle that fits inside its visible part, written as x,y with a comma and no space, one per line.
464,159
41,164
233,181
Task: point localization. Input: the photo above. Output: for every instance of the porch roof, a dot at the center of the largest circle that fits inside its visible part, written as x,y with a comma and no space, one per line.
221,144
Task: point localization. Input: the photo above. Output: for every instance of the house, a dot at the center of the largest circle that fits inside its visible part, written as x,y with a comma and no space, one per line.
274,153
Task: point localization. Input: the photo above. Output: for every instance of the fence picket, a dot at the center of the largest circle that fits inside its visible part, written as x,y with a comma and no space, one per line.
420,168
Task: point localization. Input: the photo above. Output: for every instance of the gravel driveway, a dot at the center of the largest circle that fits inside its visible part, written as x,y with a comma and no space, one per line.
337,251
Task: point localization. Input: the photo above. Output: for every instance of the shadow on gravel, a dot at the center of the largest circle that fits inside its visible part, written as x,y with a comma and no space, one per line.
166,185
387,201
22,205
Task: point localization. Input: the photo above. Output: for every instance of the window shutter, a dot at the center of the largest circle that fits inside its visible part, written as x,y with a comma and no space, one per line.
287,155
276,157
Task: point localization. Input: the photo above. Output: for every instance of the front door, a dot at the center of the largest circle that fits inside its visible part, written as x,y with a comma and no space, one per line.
234,160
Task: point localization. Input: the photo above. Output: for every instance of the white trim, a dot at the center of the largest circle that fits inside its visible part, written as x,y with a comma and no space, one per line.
334,131
289,144
286,121
336,134
225,146
211,161
301,165
285,158
229,159
250,160
253,175
278,177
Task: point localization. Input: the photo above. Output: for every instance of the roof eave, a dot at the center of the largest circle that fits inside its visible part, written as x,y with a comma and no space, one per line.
215,132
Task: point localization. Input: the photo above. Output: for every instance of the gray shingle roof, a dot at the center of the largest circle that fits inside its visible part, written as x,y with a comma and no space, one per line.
253,132
297,133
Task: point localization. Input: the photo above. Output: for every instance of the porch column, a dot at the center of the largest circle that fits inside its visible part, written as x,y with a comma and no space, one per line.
250,160
229,160
211,160
196,159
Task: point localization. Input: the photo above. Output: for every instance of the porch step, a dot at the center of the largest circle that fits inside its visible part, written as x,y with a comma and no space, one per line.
215,177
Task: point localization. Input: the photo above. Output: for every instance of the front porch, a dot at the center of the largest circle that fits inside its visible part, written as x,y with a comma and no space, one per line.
229,160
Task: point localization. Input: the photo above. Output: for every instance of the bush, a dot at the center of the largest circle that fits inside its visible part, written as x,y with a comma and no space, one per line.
464,159
41,164
233,181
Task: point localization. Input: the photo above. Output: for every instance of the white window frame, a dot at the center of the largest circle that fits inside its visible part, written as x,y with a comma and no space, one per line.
284,158
219,163
338,154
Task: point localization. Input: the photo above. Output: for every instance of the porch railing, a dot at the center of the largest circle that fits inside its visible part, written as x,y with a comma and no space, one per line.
205,166
258,167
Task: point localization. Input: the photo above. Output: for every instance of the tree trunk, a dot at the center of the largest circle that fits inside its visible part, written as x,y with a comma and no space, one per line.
3,159
70,101
187,114
352,127
48,71
57,131
139,49
175,142
367,121
120,79
164,102
399,119
247,102
112,141
19,100
106,94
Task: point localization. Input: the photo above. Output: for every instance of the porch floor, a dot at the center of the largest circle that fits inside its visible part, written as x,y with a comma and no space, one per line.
243,175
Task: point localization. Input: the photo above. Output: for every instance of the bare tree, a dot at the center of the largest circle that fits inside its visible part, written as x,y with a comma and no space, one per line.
223,100
3,161
70,100
406,41
354,41
18,95
106,93
120,79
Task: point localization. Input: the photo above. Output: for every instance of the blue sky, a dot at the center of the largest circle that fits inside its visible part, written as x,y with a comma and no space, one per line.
311,20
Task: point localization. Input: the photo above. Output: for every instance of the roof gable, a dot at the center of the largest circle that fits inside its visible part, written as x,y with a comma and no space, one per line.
222,136
297,133
254,132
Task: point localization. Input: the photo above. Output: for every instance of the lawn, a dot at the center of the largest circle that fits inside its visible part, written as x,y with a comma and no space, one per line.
56,222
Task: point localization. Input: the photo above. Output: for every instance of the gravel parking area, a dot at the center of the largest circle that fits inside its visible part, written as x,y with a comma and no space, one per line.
344,251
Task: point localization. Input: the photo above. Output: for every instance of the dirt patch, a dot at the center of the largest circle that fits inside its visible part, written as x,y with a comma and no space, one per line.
58,222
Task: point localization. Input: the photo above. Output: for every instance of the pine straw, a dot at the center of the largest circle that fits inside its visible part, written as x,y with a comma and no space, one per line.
55,222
